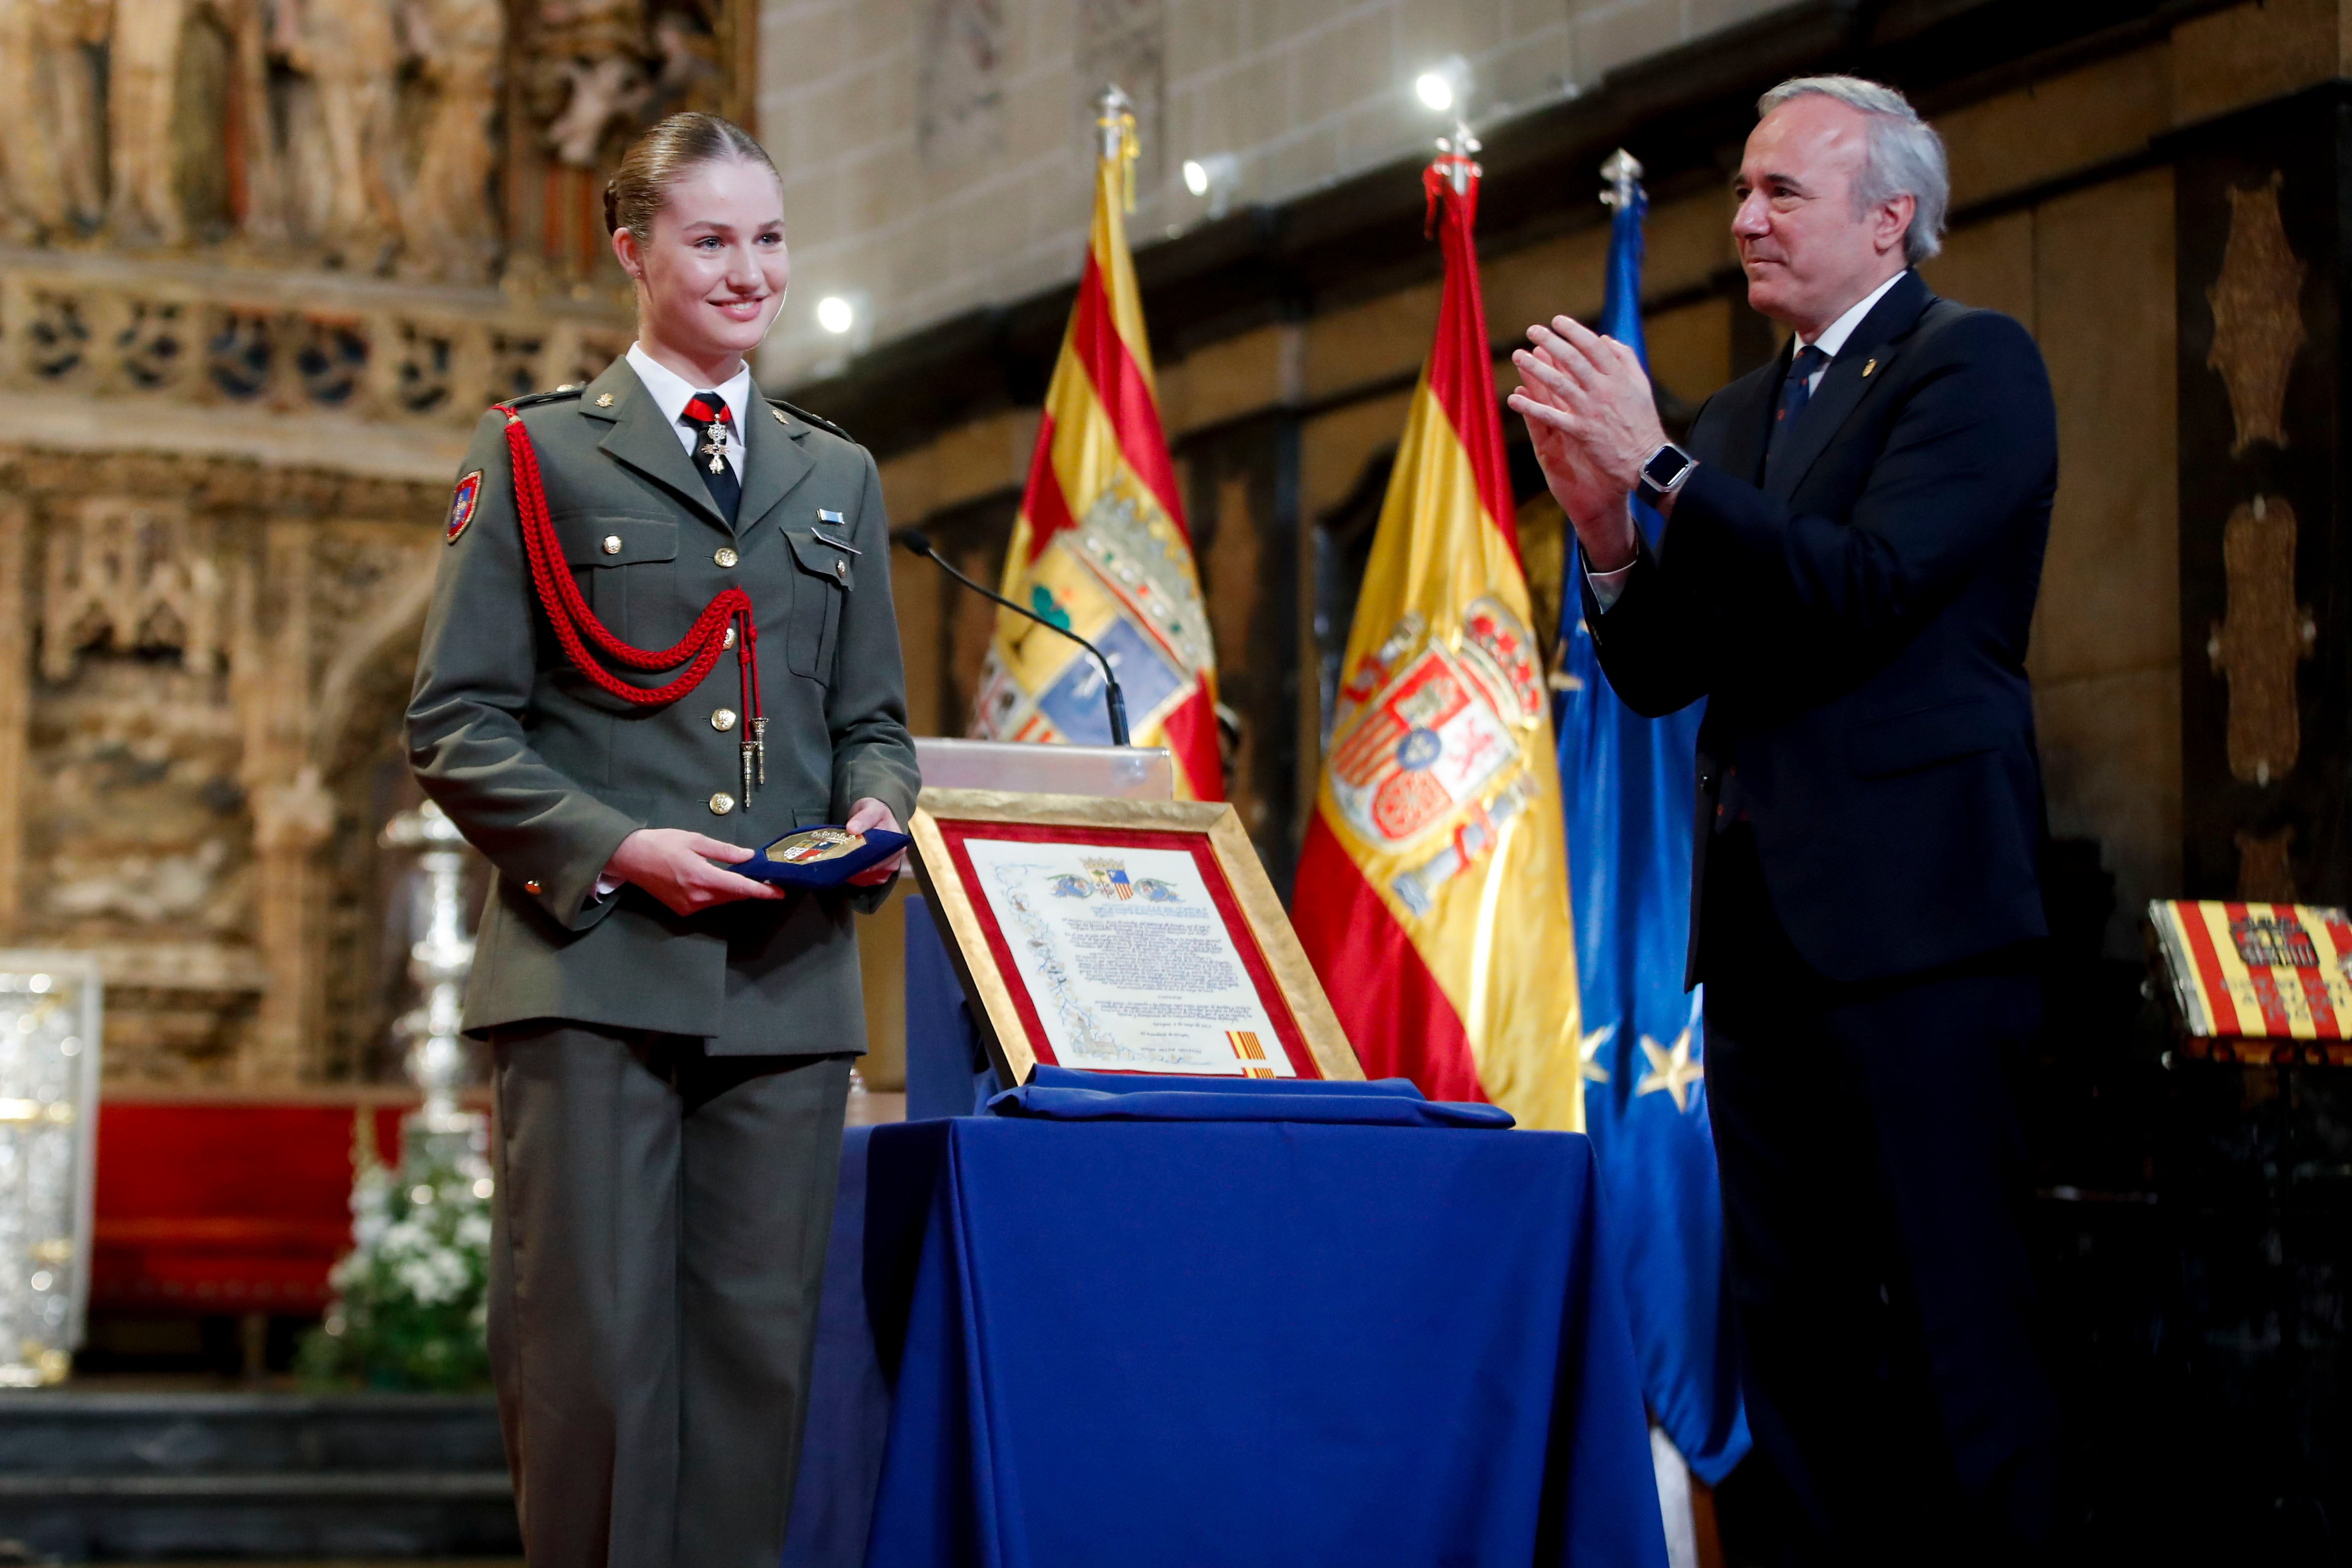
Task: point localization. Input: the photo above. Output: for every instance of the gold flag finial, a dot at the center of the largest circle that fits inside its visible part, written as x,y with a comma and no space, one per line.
1115,124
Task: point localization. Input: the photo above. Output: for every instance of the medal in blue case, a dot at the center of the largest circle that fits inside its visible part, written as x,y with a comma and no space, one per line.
821,857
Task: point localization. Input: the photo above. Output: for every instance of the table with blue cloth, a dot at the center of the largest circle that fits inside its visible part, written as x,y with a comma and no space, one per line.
1162,1323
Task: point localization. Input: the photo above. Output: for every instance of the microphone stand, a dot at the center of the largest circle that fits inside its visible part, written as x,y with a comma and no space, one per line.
919,544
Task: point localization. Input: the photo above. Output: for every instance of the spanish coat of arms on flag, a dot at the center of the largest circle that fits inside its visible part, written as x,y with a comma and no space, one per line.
1433,886
1100,547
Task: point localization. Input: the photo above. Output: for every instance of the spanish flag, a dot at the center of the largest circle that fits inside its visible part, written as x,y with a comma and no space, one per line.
1433,888
1101,545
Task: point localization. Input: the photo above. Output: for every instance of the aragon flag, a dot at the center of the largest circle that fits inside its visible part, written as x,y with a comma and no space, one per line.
1432,889
1101,545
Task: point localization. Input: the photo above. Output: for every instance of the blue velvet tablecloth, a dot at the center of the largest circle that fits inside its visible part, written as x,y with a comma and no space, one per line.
1201,1343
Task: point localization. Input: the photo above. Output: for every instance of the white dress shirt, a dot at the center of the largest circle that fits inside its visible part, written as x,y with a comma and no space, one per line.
671,394
1608,585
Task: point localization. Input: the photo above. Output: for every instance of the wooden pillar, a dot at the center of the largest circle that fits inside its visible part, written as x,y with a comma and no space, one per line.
2241,1153
2265,563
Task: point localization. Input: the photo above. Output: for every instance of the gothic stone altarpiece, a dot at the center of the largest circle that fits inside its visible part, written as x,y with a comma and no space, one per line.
262,264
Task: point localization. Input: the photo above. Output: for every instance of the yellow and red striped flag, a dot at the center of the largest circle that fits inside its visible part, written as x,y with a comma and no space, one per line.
1101,545
1432,888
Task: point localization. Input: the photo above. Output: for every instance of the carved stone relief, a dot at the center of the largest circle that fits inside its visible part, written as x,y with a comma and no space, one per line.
2257,315
2262,640
197,671
53,160
361,134
131,576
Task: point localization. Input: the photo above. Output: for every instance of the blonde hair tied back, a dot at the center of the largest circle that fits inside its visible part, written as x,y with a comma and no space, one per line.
662,156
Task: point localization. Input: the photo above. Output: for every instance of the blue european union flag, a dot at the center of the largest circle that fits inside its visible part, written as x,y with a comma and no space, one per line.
1625,785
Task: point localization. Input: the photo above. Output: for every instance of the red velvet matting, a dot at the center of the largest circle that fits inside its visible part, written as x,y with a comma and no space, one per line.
220,1206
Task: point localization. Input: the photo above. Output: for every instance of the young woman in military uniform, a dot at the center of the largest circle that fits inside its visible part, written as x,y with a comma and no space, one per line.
671,1042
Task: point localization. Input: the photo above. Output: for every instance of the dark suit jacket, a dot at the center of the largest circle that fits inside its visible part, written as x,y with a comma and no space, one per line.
1855,612
545,774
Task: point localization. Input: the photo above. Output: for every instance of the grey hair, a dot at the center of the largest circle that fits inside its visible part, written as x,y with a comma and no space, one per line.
1901,156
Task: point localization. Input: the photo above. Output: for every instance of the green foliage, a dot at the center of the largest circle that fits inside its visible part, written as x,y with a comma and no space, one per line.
411,1297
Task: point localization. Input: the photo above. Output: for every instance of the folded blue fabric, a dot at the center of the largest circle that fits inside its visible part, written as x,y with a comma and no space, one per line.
1194,1104
1046,1077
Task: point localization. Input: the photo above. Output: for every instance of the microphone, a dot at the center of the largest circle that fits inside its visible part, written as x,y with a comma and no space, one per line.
919,544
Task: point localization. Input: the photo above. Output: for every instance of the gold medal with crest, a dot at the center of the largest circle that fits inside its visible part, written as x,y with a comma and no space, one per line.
812,845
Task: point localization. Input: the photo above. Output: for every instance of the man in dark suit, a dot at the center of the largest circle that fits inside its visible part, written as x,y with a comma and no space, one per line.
1847,572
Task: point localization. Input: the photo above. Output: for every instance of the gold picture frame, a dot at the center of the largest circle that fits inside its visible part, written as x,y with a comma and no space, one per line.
1007,1017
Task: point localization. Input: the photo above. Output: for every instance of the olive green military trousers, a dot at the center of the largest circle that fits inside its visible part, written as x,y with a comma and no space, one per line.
660,1233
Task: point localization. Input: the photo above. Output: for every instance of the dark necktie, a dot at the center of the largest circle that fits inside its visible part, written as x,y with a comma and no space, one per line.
706,412
1796,391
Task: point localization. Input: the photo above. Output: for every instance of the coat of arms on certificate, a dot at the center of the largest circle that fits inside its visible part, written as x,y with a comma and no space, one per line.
1121,936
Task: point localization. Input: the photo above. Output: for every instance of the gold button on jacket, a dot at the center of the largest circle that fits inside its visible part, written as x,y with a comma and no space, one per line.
723,719
546,773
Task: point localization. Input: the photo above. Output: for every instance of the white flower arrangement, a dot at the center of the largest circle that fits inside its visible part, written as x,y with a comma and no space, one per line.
411,1304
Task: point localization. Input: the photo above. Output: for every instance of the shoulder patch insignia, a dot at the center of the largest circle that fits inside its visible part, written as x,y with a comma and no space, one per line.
462,501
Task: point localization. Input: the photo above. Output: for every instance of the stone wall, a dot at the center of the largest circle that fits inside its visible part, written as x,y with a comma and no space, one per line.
935,154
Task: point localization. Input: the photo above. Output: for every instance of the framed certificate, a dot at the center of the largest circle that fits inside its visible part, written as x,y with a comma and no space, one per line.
1121,936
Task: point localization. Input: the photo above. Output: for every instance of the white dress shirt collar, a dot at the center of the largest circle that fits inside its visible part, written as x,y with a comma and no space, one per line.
671,394
1834,335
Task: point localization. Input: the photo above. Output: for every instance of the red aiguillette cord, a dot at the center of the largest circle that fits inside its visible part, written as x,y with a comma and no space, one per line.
559,595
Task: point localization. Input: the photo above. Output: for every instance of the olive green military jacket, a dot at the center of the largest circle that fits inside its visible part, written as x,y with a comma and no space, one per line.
545,774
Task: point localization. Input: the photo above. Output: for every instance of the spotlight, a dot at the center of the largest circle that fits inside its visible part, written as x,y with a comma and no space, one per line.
836,314
1444,88
1217,177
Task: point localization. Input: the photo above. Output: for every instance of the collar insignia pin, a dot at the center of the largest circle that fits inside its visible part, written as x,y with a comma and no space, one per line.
1868,368
604,400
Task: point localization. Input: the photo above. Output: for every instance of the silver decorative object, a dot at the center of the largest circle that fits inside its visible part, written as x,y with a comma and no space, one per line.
1624,172
437,1060
49,1019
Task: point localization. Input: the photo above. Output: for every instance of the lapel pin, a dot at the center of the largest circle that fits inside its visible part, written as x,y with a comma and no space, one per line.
1868,368
604,400
780,416
826,514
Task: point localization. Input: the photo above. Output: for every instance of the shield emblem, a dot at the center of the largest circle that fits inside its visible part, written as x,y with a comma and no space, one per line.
1424,749
462,501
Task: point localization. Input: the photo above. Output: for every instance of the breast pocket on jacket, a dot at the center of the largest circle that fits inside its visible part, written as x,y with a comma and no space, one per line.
1925,738
824,575
599,547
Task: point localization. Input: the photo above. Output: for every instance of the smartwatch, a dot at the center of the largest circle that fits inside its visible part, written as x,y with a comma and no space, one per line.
1663,473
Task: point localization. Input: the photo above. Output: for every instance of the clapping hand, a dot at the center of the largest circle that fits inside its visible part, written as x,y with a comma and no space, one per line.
1593,422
